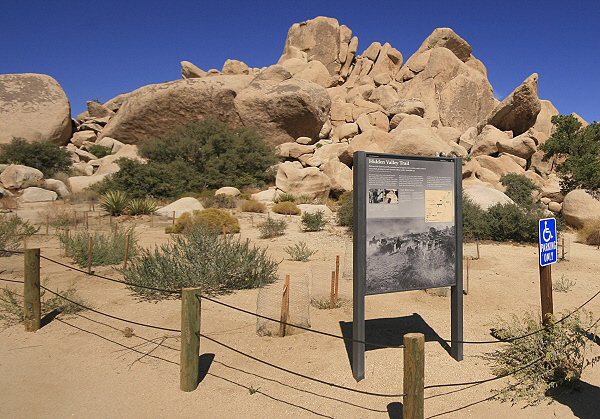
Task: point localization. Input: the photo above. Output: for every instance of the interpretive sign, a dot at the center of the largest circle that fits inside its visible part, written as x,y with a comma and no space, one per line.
547,240
407,234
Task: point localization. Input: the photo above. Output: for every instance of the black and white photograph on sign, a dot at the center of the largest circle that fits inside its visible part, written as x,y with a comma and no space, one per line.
391,196
408,254
376,195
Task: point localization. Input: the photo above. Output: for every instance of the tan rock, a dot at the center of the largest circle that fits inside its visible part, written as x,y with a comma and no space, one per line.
522,146
417,141
552,190
33,107
80,137
235,67
305,140
382,79
389,61
486,197
97,110
543,121
35,194
449,134
470,168
487,142
555,207
409,122
17,176
181,206
347,130
228,190
385,96
535,178
339,174
80,183
316,72
308,181
190,71
372,52
580,208
294,150
499,165
447,38
486,175
57,186
521,162
468,138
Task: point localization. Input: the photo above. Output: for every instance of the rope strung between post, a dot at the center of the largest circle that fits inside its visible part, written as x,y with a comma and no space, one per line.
300,327
16,252
111,279
277,367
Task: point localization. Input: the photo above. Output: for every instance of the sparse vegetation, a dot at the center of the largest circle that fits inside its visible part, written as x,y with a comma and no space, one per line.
138,206
313,221
543,362
325,303
272,228
212,219
563,284
299,251
590,234
287,208
44,156
12,231
250,205
107,248
99,150
519,188
345,214
114,202
219,201
284,197
201,258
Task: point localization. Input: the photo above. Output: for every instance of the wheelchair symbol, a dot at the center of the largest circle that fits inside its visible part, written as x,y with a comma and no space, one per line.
547,233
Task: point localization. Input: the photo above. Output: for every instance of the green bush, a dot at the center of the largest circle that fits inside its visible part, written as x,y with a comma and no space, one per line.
474,223
299,252
313,221
107,248
209,219
272,228
519,188
152,179
509,222
44,156
137,206
99,150
12,231
284,197
250,205
220,155
544,361
219,201
287,208
345,213
114,202
202,258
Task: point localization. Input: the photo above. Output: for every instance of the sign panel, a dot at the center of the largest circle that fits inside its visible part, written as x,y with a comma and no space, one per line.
548,247
410,223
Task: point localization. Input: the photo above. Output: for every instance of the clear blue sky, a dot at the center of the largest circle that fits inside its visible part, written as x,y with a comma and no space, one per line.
101,49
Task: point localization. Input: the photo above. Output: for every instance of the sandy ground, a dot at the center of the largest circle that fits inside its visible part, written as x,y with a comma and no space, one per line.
60,371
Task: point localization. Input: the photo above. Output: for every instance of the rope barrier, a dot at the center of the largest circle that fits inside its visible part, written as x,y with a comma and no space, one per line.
300,327
16,252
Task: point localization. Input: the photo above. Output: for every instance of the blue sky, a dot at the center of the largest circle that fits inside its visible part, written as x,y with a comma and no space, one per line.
101,49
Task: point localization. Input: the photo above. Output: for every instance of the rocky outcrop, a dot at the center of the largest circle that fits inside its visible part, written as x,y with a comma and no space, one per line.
486,197
580,208
35,194
308,181
17,176
33,107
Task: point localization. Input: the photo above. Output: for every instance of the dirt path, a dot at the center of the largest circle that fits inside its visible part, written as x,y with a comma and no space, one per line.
62,371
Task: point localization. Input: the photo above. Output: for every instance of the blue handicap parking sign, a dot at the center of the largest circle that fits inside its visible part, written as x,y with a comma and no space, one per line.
547,241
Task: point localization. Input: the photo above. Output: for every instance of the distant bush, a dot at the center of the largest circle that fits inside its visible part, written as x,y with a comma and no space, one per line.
218,154
345,213
99,150
107,248
209,219
474,223
313,221
12,231
138,206
287,208
216,264
519,188
589,234
114,202
219,201
509,222
44,156
272,228
284,197
299,251
253,206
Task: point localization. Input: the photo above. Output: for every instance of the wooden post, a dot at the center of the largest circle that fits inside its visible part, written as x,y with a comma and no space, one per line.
224,230
285,306
24,242
74,219
89,264
413,405
190,339
47,224
67,242
152,220
563,247
332,293
337,276
477,242
598,239
110,219
99,219
126,255
87,223
32,307
116,228
174,217
546,292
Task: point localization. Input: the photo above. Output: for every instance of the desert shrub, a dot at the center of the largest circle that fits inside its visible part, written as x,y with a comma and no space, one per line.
44,156
287,208
299,251
107,248
519,188
250,205
219,155
272,228
12,231
589,234
114,202
563,284
325,303
219,201
99,150
204,259
284,197
305,199
152,179
345,213
506,222
313,221
545,361
210,219
137,206
474,224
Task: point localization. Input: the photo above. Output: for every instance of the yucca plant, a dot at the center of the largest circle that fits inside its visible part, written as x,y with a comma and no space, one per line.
114,202
139,206
284,197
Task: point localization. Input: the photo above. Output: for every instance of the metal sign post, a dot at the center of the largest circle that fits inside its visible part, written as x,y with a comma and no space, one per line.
548,254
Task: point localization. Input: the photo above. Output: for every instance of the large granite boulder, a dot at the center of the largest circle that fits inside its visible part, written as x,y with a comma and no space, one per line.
580,208
33,107
17,176
419,142
308,181
35,194
486,197
543,122
187,204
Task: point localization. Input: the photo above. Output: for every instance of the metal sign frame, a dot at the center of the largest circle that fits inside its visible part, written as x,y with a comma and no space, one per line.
360,197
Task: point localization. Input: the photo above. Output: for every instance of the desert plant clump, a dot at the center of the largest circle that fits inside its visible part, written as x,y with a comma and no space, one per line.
345,213
272,228
44,156
313,221
325,303
509,222
107,248
563,284
299,252
519,188
211,218
250,205
590,233
546,361
99,150
287,208
284,197
12,231
219,201
139,206
114,202
201,258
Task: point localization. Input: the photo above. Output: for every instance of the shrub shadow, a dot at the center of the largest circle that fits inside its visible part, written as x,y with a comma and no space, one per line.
584,402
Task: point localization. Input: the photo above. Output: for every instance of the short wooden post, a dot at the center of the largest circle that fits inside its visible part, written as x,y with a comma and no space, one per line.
32,307
99,219
332,293
598,239
116,228
337,276
285,307
24,242
74,219
92,205
413,405
87,223
546,293
224,230
47,224
67,242
126,255
152,220
174,217
110,219
477,242
563,248
89,260
190,339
